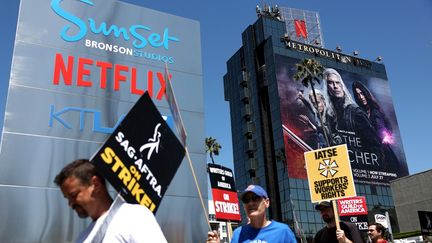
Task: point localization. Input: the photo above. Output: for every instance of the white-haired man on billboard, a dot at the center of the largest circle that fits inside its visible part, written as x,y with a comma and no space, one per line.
347,118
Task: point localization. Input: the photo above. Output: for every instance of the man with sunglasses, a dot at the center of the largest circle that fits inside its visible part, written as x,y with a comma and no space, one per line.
259,228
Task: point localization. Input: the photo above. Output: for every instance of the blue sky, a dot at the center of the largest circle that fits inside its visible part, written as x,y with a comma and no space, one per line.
399,31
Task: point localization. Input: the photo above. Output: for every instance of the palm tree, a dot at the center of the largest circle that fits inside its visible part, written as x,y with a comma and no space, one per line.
212,147
308,72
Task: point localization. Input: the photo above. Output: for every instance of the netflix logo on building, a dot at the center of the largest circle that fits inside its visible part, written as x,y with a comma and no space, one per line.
224,193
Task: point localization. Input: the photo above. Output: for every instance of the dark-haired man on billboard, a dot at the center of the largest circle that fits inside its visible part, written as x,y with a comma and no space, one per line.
259,228
116,221
350,124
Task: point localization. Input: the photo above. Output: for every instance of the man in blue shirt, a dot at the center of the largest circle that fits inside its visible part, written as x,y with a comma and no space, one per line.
259,229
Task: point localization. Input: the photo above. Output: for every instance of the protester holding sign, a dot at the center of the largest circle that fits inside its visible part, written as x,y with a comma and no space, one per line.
259,229
347,233
117,221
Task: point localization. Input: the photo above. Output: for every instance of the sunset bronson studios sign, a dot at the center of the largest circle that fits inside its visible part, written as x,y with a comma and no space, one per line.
78,67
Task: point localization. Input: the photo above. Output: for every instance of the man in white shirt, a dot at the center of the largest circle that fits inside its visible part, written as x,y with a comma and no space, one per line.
117,221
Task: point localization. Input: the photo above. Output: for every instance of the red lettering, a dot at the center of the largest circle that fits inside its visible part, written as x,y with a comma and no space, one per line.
163,86
103,73
82,71
64,69
59,68
150,82
117,75
134,89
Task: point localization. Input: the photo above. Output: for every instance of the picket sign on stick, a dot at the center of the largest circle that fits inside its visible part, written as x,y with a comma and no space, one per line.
172,102
336,214
330,175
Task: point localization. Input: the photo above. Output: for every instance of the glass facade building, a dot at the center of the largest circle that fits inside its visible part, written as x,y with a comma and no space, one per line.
262,153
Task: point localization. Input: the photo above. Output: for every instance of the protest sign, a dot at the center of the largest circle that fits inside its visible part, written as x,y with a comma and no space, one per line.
224,193
329,173
354,210
141,156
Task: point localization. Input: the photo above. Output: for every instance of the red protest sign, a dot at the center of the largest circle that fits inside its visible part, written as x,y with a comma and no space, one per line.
352,206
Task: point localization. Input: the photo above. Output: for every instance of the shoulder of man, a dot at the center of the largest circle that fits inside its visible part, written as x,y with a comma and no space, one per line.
130,220
236,234
289,234
317,237
282,227
135,212
279,224
238,230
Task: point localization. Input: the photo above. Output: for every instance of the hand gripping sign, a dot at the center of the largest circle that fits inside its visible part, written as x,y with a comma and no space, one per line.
329,173
141,156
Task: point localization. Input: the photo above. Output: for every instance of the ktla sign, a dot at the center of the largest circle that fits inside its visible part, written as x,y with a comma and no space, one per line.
93,117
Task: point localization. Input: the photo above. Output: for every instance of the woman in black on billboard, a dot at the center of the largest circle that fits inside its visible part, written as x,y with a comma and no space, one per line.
369,104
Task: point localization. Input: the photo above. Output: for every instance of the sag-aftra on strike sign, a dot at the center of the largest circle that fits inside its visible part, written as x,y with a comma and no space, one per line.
329,173
141,156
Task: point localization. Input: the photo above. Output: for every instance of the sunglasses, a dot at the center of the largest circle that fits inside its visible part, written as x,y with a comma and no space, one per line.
253,198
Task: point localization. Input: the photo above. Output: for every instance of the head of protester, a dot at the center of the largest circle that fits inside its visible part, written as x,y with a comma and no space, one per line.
84,189
376,233
347,233
259,228
86,192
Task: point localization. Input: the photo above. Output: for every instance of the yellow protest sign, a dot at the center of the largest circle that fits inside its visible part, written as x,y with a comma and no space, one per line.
329,173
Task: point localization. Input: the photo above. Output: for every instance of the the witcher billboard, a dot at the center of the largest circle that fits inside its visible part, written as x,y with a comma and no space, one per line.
355,109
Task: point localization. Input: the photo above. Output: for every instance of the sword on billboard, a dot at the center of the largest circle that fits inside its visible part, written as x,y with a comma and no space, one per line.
296,139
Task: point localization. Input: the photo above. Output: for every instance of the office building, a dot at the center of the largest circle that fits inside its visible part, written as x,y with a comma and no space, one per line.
271,117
